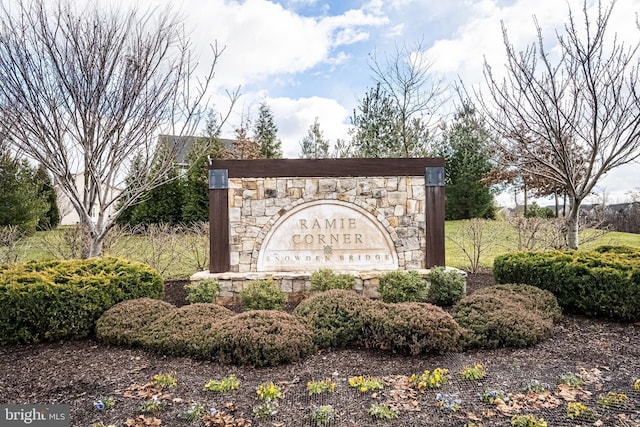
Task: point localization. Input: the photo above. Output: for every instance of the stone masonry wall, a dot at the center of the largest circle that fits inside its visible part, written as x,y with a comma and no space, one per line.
256,204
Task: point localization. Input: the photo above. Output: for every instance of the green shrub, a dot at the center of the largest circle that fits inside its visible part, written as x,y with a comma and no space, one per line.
262,295
258,338
123,323
204,291
446,287
604,282
55,300
494,320
412,328
181,330
325,279
530,296
402,286
335,317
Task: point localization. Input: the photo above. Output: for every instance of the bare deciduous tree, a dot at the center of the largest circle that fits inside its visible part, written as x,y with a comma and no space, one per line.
406,77
571,115
83,90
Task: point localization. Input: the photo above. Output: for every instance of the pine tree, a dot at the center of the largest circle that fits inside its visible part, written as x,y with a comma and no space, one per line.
266,134
467,163
314,145
51,218
19,194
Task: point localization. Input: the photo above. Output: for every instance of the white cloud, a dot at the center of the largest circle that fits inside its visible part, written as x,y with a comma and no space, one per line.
294,116
264,39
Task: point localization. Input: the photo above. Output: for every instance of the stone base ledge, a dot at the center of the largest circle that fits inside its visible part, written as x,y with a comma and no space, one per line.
296,284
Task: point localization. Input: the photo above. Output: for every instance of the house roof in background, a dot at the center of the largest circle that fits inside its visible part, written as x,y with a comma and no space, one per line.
181,144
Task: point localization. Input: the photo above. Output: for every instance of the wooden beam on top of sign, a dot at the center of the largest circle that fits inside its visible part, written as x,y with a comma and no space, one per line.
274,168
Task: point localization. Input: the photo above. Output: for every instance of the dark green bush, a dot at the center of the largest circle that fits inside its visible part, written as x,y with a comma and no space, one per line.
123,323
262,295
204,291
258,338
446,287
402,286
182,330
412,328
56,300
501,319
325,279
604,282
335,317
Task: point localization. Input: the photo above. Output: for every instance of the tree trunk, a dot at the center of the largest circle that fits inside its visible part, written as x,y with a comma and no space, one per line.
95,247
571,232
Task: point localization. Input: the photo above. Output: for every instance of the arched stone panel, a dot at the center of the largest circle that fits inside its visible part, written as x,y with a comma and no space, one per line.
327,234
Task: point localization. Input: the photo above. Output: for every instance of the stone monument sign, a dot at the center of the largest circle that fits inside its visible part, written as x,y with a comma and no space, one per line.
299,215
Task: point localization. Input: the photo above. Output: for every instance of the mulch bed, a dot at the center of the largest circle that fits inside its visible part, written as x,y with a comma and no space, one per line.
77,373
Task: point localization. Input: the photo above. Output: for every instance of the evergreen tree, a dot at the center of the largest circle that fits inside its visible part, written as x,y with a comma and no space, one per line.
162,204
375,131
314,145
19,194
467,162
266,134
51,218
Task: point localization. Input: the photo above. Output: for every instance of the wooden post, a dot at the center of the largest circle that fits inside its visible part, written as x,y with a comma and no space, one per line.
434,213
219,259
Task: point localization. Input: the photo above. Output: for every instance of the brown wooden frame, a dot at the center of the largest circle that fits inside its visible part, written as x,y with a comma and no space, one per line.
219,259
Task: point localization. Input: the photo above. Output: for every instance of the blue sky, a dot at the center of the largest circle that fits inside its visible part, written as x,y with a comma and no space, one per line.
308,58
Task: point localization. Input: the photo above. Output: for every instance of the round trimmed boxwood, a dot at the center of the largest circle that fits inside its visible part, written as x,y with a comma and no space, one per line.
258,338
501,319
413,328
62,299
180,331
402,286
123,323
335,317
262,295
446,287
326,279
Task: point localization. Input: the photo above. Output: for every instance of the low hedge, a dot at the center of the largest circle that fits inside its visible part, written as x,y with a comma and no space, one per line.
412,328
604,282
258,338
506,316
55,300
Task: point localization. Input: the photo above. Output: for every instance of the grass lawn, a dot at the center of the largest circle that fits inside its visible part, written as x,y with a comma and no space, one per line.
175,258
501,238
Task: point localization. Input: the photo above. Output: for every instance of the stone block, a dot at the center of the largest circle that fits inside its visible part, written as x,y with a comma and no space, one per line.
294,192
250,194
258,207
327,185
249,184
346,184
392,183
397,197
310,186
286,285
270,184
379,193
